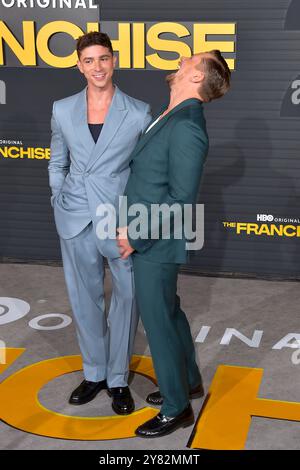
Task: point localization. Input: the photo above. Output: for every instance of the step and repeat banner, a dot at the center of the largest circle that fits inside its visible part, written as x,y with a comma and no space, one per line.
250,186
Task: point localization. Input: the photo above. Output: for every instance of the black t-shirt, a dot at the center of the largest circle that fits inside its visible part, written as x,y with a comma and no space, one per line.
95,130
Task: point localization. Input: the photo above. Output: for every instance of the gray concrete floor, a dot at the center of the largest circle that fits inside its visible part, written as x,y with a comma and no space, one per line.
246,305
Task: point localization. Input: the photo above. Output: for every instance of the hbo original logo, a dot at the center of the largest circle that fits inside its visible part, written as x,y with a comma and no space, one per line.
265,218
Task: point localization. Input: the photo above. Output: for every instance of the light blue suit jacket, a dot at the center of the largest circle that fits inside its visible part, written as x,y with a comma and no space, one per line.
83,174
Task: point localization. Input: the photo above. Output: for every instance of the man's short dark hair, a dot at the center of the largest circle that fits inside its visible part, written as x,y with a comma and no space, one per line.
217,76
94,38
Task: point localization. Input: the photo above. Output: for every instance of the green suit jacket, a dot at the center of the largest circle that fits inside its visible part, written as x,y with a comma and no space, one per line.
166,168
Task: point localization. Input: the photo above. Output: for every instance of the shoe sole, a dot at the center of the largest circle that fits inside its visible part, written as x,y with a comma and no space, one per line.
182,425
193,396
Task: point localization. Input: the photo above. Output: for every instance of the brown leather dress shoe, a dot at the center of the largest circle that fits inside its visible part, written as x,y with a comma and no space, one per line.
155,398
161,425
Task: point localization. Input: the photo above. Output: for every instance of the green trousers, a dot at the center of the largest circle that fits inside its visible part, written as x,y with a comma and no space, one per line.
168,332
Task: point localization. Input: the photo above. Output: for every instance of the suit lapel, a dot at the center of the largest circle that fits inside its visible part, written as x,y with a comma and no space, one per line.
80,123
147,136
112,123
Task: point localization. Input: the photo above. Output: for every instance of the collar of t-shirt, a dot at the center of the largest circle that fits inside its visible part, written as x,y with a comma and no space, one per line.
153,124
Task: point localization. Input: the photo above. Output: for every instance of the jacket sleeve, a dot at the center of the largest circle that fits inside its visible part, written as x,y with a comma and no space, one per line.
188,149
59,157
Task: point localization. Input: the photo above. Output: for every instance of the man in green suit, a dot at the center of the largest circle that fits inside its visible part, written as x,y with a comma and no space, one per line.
166,168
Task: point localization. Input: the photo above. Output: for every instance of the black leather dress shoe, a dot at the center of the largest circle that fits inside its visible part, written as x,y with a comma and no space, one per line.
155,398
86,392
122,401
161,425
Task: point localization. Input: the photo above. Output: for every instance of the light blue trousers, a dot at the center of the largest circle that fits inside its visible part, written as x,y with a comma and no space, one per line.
106,342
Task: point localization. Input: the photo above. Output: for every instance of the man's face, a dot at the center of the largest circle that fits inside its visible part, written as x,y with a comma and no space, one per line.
187,69
97,65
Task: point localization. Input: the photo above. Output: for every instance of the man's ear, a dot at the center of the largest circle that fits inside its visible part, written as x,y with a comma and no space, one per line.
114,61
79,66
198,77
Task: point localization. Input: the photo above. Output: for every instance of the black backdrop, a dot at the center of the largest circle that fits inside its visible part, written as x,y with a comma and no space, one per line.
253,166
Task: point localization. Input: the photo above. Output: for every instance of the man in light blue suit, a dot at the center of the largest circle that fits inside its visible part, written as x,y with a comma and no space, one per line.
93,134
